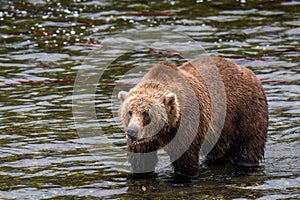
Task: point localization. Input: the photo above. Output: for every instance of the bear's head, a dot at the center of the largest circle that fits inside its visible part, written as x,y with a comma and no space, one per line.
148,112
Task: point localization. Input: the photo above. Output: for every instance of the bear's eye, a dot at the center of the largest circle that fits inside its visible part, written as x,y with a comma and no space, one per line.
130,113
146,117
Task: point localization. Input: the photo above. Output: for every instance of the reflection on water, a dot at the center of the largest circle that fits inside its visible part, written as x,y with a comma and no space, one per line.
43,44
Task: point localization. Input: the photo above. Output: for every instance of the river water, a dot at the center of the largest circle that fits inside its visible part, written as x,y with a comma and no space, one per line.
45,151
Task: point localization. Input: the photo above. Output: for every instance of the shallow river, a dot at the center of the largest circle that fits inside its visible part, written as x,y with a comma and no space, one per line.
51,148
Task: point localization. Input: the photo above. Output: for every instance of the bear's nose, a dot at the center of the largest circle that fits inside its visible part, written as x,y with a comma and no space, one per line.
132,132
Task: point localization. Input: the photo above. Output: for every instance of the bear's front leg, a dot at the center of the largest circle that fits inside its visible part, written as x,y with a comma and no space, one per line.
143,162
187,165
142,155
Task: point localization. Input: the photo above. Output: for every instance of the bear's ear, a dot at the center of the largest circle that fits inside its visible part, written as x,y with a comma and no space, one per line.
170,99
122,95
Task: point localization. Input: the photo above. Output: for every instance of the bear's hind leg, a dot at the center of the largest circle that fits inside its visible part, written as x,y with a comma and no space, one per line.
251,142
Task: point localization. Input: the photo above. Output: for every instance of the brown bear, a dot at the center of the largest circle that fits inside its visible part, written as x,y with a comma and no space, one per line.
173,108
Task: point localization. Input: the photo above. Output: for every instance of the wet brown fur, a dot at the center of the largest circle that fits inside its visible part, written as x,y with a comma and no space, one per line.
244,133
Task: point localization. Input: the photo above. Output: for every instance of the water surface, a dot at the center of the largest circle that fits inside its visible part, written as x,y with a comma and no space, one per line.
43,45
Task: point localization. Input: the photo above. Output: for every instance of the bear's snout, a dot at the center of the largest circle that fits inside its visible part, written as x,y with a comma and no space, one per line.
132,132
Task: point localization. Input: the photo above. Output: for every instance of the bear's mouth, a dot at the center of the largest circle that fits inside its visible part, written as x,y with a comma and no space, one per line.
135,140
130,137
143,145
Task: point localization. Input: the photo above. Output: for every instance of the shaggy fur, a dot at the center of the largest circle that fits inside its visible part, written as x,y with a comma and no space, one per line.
162,99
